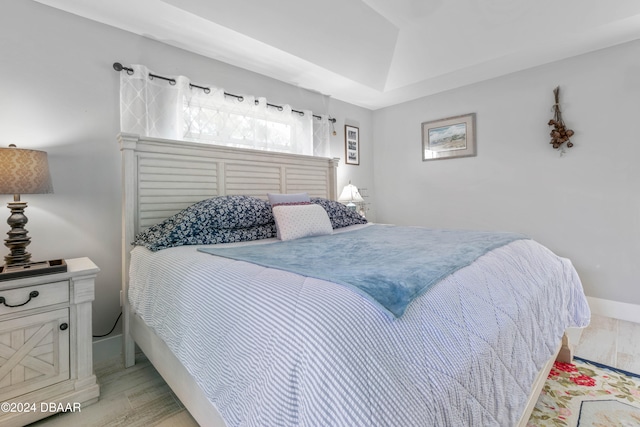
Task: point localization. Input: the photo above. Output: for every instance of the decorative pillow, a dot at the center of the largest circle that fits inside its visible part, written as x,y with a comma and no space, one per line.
218,220
339,215
296,221
156,238
283,199
231,212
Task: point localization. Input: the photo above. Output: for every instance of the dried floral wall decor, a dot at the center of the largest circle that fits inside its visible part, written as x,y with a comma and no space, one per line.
559,133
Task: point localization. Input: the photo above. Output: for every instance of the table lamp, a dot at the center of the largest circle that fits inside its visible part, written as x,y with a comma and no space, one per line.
21,172
350,194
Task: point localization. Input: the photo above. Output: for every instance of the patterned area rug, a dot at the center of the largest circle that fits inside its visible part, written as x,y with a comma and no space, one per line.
588,394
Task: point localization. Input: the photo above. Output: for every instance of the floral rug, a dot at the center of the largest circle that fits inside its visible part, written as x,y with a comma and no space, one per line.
588,394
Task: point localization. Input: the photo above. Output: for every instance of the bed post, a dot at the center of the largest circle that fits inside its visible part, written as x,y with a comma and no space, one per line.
565,355
333,178
129,187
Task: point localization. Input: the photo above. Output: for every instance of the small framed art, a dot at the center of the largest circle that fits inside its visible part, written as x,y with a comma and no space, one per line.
450,137
351,145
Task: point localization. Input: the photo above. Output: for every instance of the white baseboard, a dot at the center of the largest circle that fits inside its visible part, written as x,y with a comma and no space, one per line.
615,309
107,348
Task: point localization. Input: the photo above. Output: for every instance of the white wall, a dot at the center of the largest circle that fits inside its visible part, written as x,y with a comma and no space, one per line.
584,205
59,93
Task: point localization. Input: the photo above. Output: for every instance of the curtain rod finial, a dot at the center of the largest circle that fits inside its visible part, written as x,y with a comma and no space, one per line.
119,67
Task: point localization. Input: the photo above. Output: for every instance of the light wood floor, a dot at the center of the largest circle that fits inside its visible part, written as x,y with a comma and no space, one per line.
612,342
135,397
139,397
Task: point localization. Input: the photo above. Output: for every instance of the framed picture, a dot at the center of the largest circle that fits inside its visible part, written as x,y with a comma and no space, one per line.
351,145
450,137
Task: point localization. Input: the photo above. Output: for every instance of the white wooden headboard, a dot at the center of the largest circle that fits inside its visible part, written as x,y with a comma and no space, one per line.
161,177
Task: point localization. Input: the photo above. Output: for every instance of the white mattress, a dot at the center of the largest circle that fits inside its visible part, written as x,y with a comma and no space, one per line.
272,348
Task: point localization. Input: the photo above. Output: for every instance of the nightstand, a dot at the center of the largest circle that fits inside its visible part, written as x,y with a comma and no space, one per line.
46,354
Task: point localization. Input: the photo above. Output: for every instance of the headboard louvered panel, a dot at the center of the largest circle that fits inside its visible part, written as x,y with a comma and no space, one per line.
252,180
315,182
166,185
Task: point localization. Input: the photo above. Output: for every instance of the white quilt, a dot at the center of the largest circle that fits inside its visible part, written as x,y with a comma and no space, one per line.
272,348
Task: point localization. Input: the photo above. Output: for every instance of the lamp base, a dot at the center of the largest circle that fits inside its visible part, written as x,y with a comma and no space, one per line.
32,269
18,238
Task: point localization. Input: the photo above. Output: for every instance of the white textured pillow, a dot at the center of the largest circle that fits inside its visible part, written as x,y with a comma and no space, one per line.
296,221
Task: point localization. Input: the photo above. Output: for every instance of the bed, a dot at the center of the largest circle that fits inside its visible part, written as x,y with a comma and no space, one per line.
247,344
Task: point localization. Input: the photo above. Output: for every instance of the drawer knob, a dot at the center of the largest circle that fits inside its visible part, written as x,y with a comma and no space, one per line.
64,326
32,295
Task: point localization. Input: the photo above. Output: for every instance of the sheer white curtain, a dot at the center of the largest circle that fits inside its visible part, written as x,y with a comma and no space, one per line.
174,110
321,136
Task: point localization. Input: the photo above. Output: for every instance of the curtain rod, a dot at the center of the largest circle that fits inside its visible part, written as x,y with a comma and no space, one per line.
119,67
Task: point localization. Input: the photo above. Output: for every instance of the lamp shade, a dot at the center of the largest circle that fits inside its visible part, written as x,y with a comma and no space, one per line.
24,172
350,193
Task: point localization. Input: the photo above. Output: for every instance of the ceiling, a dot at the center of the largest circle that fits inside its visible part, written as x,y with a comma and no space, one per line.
375,53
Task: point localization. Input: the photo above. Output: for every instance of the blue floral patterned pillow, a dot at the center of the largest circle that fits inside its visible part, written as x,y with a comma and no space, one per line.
339,214
221,219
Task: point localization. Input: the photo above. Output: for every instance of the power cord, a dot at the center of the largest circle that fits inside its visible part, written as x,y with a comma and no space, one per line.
114,326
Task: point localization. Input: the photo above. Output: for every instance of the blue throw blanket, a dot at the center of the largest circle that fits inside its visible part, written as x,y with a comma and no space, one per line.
389,265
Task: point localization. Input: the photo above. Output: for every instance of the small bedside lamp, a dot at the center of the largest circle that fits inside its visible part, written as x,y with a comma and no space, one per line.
21,172
350,194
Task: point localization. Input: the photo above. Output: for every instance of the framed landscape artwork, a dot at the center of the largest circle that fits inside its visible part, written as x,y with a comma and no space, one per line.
450,137
352,145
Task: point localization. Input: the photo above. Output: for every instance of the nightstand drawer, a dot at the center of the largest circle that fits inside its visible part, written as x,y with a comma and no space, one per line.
30,297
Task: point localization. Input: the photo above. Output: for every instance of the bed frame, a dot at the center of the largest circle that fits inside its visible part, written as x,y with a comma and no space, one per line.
161,177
